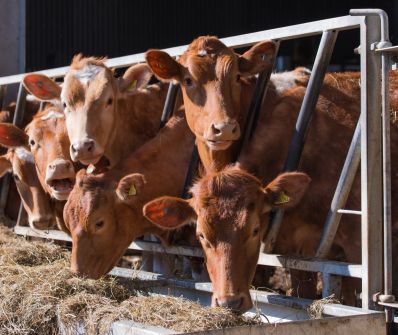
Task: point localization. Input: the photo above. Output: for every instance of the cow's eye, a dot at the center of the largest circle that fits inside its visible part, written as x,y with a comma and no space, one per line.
238,77
64,105
188,82
256,231
200,236
16,178
32,142
99,225
110,101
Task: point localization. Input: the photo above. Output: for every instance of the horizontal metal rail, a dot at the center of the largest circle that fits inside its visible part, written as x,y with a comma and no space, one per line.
259,297
284,33
305,264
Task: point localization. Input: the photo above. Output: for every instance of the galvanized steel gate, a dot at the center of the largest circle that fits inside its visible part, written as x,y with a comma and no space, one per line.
370,146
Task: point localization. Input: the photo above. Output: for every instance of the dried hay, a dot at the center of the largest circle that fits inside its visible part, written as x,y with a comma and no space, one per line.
315,310
169,312
39,295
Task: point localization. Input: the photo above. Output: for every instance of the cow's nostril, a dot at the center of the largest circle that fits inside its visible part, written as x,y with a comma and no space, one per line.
234,130
216,130
73,148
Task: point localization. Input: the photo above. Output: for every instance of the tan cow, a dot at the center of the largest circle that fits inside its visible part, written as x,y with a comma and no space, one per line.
226,204
216,90
104,211
19,160
109,117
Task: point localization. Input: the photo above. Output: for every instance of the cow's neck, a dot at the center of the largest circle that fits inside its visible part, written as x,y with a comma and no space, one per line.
134,125
215,160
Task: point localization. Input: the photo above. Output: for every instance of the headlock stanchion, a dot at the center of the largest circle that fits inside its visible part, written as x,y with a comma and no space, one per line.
169,104
370,141
307,109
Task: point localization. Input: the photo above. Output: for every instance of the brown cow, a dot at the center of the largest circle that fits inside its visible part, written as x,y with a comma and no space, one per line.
106,116
19,160
46,143
104,212
227,201
215,90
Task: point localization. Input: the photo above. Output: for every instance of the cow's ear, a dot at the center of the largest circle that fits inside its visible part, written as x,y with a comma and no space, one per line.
258,58
130,186
5,165
135,77
169,212
12,137
163,65
286,190
42,87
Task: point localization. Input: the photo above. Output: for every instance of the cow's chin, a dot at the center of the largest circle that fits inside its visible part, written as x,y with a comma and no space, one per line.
218,145
90,160
61,188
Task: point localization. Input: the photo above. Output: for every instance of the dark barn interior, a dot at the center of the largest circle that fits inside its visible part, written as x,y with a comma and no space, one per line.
56,30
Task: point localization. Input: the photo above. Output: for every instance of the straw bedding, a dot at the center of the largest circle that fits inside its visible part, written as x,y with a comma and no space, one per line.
38,295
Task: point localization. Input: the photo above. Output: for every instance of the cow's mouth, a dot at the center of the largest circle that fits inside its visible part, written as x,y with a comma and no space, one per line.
218,145
61,188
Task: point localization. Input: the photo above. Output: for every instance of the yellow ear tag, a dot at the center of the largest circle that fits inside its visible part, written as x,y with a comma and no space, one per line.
282,198
133,85
132,190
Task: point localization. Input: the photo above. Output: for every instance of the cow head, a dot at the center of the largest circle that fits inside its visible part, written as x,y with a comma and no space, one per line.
91,97
48,139
19,160
210,74
230,208
103,217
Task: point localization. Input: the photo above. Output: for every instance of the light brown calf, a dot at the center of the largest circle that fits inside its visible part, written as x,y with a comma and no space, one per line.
19,160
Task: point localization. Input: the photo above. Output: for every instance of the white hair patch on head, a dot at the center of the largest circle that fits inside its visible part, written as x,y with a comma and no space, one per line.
24,155
52,114
88,73
202,52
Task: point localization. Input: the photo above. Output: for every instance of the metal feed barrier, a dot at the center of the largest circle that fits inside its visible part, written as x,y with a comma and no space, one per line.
370,146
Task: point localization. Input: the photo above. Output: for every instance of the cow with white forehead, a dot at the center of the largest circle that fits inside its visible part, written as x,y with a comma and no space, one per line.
107,117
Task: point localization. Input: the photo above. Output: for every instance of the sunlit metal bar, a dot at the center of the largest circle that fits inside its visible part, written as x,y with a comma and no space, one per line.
321,63
343,188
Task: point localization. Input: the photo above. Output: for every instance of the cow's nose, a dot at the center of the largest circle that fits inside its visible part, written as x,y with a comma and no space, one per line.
225,130
83,146
230,302
41,223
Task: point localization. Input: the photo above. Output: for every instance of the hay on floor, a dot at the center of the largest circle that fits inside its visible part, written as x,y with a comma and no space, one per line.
39,295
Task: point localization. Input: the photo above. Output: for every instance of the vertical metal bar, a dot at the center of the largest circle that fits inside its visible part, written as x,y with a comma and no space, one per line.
18,117
259,93
371,163
21,215
169,103
343,189
3,92
20,107
307,109
331,284
387,232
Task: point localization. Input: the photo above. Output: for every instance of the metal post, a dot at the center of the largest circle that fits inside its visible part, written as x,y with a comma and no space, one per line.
307,108
257,100
343,189
169,103
371,163
3,92
18,117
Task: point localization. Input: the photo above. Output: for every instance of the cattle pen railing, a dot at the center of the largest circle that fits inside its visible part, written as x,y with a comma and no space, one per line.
369,147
